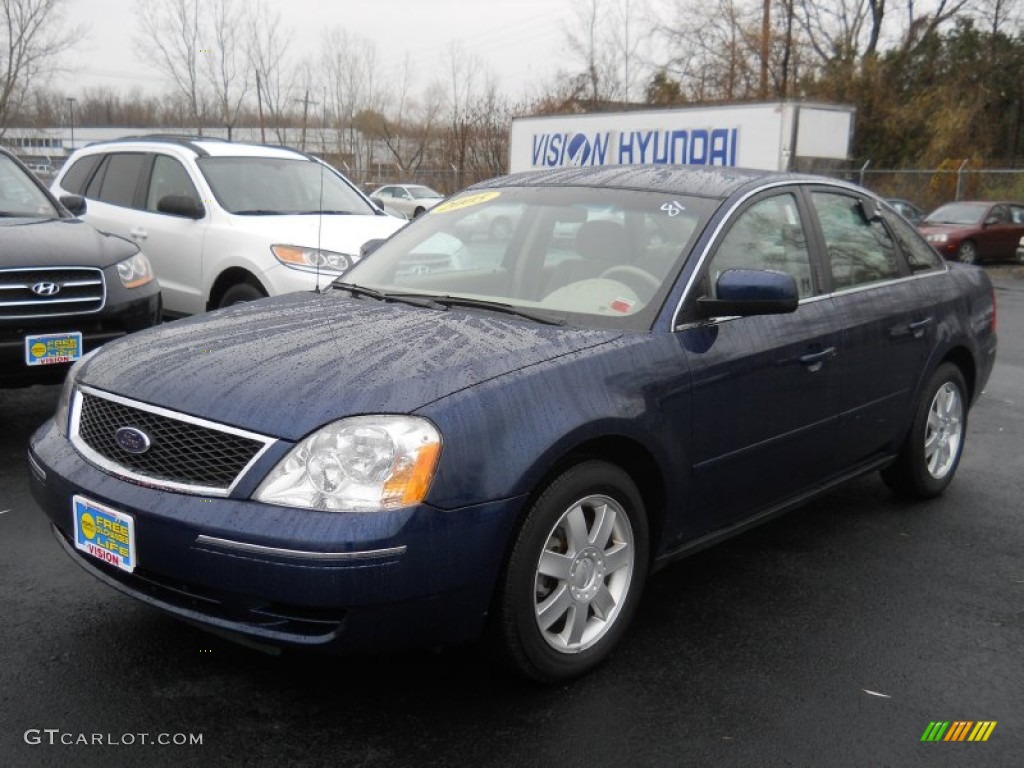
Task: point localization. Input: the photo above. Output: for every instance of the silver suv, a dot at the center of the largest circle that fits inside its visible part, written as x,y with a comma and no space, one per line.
224,222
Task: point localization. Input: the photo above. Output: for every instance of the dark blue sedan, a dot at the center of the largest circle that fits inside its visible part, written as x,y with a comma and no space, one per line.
505,436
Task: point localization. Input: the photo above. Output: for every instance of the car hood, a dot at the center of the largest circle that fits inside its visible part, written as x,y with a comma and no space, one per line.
287,365
343,233
59,243
935,229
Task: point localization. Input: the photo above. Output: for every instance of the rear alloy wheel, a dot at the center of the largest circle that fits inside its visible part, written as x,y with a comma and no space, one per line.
932,451
575,574
241,293
967,253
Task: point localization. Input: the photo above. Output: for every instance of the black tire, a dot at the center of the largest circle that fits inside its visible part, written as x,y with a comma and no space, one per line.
923,472
601,581
967,253
239,293
418,212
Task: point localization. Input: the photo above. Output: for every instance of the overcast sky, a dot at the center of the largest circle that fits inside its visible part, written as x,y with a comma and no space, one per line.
521,41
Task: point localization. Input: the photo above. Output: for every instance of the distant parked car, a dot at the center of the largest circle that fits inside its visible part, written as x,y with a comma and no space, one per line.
64,287
409,199
973,231
225,222
906,209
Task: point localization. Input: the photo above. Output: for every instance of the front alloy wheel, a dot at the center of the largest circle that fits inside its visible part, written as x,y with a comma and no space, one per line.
575,573
967,253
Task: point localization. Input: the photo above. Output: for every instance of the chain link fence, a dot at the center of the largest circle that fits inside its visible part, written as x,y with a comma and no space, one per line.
928,189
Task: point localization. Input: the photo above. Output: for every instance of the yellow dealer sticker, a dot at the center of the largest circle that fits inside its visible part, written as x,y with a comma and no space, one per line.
465,201
50,348
105,533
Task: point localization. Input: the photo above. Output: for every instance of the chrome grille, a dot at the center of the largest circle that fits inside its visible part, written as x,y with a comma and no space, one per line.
185,453
80,290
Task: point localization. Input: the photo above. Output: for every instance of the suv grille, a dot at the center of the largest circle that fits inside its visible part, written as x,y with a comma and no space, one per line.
58,291
184,453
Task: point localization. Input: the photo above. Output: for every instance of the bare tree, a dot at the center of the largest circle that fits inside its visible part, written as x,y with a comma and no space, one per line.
170,34
224,61
352,87
32,38
267,43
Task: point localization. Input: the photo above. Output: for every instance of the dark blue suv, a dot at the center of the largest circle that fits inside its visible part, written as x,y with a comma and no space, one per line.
509,441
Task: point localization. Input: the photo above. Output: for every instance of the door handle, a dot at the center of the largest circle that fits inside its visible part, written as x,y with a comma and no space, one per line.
139,234
814,360
915,329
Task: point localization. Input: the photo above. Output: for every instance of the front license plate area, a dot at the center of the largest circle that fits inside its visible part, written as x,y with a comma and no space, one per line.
50,348
104,533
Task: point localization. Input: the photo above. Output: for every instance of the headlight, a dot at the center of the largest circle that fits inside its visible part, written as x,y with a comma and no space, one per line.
135,271
311,259
60,418
938,238
365,463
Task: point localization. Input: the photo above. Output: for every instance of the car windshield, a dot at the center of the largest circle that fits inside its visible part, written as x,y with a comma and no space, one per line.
957,213
19,195
269,185
599,258
418,191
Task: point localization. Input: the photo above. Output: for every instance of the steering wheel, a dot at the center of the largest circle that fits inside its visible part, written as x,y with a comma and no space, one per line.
640,280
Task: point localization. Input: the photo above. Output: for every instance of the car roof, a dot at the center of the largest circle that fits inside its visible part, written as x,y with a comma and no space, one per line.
700,181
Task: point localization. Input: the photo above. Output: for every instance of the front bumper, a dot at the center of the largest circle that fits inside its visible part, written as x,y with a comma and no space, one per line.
289,577
115,321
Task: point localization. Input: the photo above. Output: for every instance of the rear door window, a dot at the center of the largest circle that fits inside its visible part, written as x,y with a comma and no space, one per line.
121,179
859,252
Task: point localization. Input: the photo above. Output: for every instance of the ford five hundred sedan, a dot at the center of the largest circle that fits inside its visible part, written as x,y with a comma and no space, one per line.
507,447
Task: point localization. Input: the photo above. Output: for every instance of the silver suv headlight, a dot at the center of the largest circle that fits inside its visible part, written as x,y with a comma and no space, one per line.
363,463
312,259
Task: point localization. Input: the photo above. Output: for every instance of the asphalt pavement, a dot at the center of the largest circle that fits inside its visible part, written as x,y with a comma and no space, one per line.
831,637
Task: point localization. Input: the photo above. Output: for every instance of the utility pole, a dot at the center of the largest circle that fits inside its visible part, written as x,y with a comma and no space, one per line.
71,106
305,114
766,19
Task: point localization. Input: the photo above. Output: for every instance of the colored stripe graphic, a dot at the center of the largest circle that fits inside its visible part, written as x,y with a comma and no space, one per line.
958,730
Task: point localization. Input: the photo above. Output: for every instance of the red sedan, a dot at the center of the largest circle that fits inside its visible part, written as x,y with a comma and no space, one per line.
971,232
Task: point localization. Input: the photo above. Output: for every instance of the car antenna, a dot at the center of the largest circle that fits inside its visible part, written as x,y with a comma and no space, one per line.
319,225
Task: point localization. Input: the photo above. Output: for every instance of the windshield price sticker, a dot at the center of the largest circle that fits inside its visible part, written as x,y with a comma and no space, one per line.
104,533
51,348
465,202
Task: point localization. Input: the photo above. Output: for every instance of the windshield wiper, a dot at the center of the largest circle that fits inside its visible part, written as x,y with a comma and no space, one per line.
373,293
258,212
497,306
326,212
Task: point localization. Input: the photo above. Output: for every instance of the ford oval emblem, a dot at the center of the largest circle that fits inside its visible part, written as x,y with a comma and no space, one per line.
132,440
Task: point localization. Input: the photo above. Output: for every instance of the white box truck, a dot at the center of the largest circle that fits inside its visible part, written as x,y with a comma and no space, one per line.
777,136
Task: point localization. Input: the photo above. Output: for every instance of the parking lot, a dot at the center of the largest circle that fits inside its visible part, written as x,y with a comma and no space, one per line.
832,636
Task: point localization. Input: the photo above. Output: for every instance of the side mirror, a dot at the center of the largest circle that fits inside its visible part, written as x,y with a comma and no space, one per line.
181,205
745,292
992,221
369,247
74,203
